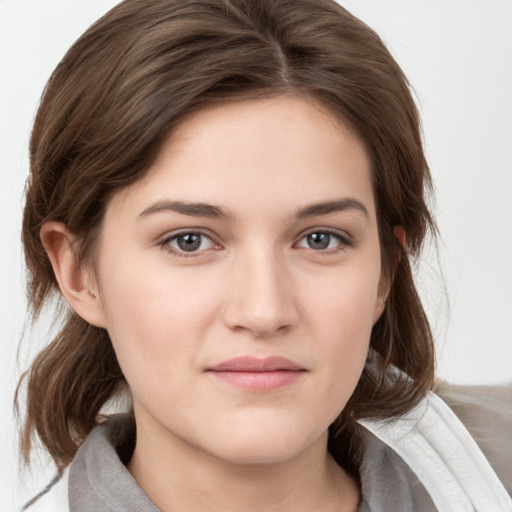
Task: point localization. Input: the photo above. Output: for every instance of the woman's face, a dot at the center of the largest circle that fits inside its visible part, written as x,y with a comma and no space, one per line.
239,280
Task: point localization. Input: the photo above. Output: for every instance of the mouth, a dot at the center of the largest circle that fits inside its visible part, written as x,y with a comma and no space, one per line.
255,374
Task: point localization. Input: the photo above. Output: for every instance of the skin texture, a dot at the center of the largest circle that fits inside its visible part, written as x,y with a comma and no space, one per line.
256,285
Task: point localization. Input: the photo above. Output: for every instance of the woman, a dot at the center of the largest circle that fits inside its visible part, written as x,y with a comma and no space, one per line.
228,196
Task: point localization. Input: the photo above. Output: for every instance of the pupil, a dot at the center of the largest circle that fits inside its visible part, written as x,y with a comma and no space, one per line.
190,242
319,240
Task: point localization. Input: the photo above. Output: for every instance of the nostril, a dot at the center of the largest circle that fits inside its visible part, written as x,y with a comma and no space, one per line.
277,320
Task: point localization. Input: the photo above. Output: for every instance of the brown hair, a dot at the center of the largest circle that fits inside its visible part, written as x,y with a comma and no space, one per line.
115,97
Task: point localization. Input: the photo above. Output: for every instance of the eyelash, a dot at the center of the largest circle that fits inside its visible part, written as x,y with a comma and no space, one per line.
165,244
344,240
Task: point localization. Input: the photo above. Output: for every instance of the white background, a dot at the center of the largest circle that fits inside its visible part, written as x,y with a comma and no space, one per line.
458,56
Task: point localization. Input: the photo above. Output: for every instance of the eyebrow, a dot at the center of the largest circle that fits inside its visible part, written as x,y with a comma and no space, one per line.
327,207
192,209
218,212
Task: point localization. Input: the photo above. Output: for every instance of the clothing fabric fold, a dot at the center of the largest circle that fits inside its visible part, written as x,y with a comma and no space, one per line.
437,447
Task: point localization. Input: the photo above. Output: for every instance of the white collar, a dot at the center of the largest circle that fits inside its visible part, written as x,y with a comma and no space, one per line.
447,461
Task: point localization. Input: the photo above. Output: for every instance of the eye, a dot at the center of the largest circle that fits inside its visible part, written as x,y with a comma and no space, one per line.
188,242
323,240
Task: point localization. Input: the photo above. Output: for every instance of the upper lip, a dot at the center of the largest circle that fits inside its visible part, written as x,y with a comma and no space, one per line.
256,364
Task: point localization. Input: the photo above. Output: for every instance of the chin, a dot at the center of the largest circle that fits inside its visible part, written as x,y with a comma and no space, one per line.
265,446
259,455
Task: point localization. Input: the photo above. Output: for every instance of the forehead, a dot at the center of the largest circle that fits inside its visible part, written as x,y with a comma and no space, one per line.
270,154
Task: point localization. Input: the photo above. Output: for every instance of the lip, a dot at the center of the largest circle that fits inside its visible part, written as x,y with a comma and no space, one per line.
258,374
256,364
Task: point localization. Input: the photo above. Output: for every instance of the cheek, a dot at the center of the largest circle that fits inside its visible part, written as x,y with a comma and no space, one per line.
347,324
346,303
155,319
341,315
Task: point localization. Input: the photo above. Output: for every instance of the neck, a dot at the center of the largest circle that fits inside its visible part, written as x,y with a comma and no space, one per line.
178,476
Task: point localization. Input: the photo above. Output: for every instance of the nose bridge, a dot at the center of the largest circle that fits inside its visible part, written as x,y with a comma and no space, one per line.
262,300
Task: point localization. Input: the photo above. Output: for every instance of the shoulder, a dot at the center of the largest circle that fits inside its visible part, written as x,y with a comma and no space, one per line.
54,498
486,412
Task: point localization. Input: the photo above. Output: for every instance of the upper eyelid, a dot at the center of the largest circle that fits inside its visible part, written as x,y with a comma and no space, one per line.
170,235
333,231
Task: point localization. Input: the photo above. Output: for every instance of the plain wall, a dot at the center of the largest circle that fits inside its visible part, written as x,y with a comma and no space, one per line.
458,57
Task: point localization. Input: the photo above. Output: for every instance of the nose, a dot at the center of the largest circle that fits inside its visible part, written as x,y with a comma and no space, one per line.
260,299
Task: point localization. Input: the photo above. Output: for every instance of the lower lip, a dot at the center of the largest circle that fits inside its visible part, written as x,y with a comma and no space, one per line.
259,381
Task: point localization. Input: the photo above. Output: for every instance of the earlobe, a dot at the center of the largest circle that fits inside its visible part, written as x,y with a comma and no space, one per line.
379,307
399,232
76,283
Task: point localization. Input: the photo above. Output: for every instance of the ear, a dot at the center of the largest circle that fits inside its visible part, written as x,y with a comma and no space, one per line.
76,282
399,232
